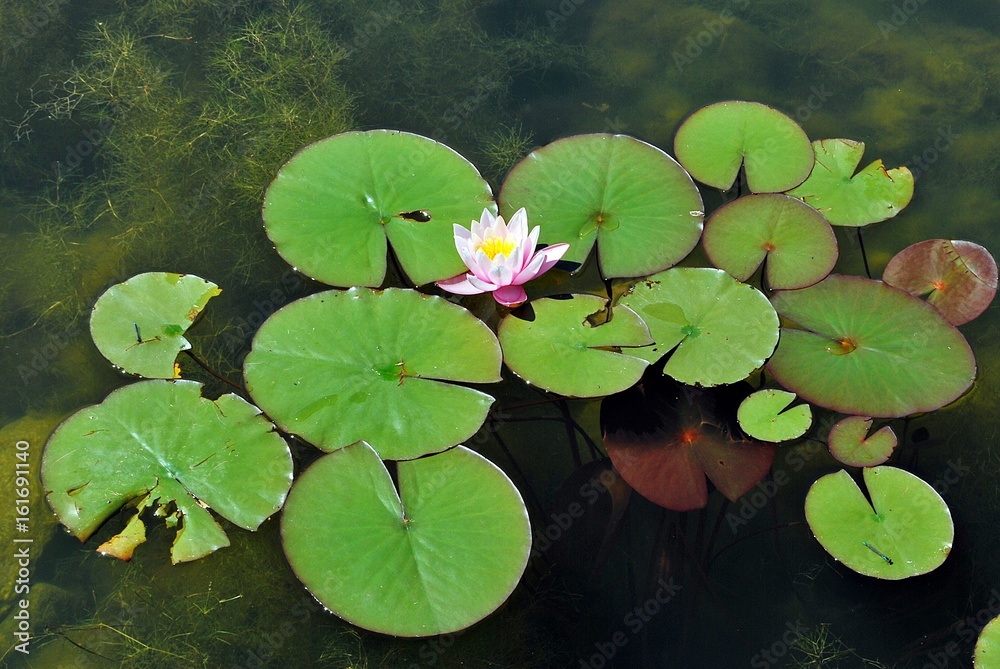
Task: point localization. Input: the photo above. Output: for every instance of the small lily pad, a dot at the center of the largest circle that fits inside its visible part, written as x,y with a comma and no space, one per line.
631,199
763,416
163,443
987,652
560,351
845,198
434,557
798,244
722,329
851,444
715,140
139,324
864,348
333,206
340,366
959,278
906,531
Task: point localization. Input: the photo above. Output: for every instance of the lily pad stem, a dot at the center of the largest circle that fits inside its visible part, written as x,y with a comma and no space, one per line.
242,391
864,256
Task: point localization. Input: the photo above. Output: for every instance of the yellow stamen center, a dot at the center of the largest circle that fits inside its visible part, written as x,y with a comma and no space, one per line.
493,246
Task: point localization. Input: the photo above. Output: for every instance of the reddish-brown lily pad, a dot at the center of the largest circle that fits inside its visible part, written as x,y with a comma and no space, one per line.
851,444
664,438
959,278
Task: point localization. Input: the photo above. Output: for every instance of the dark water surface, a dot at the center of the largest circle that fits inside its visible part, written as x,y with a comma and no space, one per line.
139,136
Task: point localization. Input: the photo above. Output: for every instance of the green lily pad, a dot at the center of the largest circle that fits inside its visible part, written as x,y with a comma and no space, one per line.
332,206
715,140
851,444
845,198
560,351
161,442
868,349
341,366
797,242
906,530
438,555
763,416
959,278
987,652
630,198
139,324
722,329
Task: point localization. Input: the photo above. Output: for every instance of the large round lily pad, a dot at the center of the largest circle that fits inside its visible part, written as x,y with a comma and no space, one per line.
439,554
715,140
332,206
844,198
722,329
851,444
906,530
765,415
139,324
958,277
341,366
868,349
161,442
560,351
798,244
633,200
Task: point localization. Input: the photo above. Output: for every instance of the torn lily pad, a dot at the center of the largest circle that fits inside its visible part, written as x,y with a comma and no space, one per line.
164,444
139,324
851,444
845,198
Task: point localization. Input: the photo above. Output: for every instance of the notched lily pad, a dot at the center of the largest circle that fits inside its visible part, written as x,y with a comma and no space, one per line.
631,199
851,444
162,443
794,240
845,198
434,557
722,329
715,140
341,366
958,277
139,324
560,351
765,416
906,531
333,206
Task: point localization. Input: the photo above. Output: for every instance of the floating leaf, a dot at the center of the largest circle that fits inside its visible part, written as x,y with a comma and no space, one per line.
723,329
138,324
851,444
665,438
763,416
844,198
715,140
866,348
163,443
987,652
341,366
639,206
906,530
332,206
959,278
798,244
560,351
439,555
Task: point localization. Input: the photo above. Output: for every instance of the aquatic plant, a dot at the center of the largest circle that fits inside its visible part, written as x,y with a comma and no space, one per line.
378,378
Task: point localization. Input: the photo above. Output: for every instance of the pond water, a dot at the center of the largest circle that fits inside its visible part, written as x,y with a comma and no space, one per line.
139,136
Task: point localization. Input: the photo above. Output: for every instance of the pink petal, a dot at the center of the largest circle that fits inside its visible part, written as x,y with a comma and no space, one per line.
518,226
483,286
510,296
460,285
543,261
461,233
528,249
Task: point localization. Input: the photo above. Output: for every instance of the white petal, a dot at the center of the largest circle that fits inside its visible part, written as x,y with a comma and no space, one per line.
483,286
548,256
518,225
500,275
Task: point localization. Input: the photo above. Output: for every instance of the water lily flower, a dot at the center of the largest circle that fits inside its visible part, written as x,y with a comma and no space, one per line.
501,258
